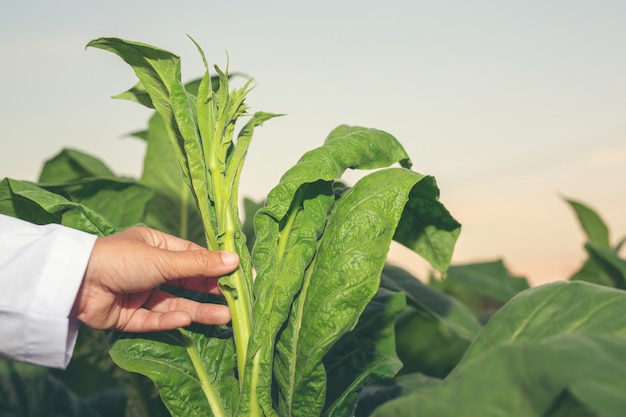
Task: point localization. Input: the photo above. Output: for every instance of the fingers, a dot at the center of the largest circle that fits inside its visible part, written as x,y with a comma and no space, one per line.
159,239
164,311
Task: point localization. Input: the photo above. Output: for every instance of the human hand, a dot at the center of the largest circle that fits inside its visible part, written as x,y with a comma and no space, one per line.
119,287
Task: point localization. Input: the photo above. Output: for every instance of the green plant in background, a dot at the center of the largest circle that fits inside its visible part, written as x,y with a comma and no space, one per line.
326,328
603,265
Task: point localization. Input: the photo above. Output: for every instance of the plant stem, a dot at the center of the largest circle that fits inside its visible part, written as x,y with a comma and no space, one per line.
236,292
184,214
239,302
205,381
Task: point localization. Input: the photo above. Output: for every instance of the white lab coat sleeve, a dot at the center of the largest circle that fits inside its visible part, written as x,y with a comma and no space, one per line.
41,270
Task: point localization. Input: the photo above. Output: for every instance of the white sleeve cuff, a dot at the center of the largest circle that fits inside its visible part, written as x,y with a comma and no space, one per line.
41,269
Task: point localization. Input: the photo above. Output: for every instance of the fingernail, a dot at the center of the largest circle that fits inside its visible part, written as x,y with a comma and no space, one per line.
230,258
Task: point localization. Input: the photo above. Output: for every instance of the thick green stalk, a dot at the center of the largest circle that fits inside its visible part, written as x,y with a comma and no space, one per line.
184,214
235,291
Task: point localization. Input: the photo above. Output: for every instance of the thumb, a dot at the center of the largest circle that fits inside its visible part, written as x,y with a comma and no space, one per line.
196,263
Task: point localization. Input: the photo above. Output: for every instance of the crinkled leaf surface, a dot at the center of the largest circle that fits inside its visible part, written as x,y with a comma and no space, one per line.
338,284
345,147
367,353
164,358
288,228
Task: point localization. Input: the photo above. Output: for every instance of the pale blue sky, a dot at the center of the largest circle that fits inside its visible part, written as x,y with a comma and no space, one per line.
509,104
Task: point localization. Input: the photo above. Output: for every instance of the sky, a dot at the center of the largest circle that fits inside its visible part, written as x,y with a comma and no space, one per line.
512,105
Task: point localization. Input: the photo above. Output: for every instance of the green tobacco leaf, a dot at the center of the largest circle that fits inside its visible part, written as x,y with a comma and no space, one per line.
447,309
427,227
594,227
487,279
610,262
547,341
173,209
250,207
594,271
288,227
434,331
37,205
529,377
84,179
425,345
136,94
159,73
338,285
552,309
121,202
71,165
282,252
164,358
345,147
14,205
373,395
367,353
93,376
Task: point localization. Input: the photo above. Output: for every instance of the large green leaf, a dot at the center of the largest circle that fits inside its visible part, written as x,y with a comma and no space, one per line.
288,228
165,358
92,375
173,209
159,73
427,227
367,353
528,378
551,348
345,147
37,205
490,279
448,310
482,286
557,308
373,395
122,202
71,165
434,331
338,284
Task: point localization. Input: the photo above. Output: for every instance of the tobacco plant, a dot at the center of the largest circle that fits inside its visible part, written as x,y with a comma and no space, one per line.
318,255
325,328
